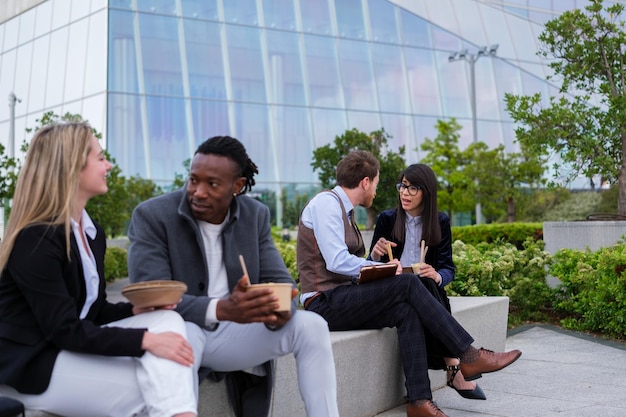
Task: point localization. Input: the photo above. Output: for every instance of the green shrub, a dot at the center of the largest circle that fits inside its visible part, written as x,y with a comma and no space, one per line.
115,263
592,294
501,269
514,233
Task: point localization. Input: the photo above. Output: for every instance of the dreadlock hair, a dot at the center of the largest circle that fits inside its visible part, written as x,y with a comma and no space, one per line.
421,176
234,150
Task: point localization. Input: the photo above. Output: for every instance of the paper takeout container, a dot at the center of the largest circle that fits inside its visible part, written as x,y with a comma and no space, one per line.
154,293
282,290
416,267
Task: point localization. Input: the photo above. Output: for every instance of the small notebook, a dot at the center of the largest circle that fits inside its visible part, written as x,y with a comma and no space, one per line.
376,272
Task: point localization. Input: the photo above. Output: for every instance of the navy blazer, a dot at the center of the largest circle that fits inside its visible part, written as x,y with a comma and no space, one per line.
41,296
440,257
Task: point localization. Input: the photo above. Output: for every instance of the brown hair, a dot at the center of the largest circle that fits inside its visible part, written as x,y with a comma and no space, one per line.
354,167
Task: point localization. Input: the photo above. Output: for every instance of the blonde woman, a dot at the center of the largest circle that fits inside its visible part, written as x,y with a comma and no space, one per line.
63,348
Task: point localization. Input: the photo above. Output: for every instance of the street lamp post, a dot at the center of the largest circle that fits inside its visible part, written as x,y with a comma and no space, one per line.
472,58
11,145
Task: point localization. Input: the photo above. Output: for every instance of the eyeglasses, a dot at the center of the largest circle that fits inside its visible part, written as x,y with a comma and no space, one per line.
413,189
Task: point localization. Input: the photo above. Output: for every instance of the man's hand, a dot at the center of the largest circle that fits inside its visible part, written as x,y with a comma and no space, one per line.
252,306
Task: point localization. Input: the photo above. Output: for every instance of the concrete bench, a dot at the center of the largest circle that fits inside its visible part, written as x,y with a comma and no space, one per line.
369,375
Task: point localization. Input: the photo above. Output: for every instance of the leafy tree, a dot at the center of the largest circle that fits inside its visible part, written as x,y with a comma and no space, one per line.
587,50
502,177
326,158
456,191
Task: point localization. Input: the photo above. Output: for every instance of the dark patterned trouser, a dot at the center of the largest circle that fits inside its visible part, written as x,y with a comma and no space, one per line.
403,302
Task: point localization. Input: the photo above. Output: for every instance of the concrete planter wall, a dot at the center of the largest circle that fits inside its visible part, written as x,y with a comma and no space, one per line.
583,234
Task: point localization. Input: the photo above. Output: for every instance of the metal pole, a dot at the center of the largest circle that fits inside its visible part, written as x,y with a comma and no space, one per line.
11,145
472,58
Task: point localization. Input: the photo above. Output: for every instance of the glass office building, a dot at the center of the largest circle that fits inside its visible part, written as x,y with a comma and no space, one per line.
157,77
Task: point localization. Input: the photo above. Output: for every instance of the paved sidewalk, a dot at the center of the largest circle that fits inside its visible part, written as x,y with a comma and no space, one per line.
559,374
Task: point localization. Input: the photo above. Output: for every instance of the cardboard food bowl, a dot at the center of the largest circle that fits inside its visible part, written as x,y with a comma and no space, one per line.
282,290
416,267
154,293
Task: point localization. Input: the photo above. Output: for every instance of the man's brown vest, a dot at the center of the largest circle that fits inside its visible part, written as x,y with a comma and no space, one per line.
312,271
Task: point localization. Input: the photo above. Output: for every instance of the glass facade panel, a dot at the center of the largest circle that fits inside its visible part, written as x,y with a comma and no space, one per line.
356,75
242,12
123,57
490,133
210,118
252,129
316,17
279,14
391,80
401,130
126,136
37,92
27,26
96,62
455,88
79,10
423,81
201,9
204,59
157,6
295,150
285,68
415,31
57,61
23,64
11,32
7,80
364,121
160,55
350,22
327,124
76,56
244,51
323,72
43,21
121,4
383,21
487,97
168,137
61,14
444,40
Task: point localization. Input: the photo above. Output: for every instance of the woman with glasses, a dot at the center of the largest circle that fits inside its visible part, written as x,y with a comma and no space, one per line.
420,220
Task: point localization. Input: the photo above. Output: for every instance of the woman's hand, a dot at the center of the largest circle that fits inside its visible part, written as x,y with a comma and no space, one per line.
168,345
380,248
427,271
139,310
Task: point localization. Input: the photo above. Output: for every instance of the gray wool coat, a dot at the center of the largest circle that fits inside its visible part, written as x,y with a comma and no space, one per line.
166,243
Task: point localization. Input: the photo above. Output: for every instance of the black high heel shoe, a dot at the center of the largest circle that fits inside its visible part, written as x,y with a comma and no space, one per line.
471,394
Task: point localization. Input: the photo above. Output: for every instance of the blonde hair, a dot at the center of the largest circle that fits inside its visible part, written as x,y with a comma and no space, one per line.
48,181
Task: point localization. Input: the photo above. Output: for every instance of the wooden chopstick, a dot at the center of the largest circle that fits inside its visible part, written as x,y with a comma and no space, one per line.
389,252
245,270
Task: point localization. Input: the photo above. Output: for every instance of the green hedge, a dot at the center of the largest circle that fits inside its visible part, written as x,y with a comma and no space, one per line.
514,233
115,263
592,294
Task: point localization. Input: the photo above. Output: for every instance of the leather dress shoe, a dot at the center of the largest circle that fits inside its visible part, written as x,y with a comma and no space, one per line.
423,408
488,361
